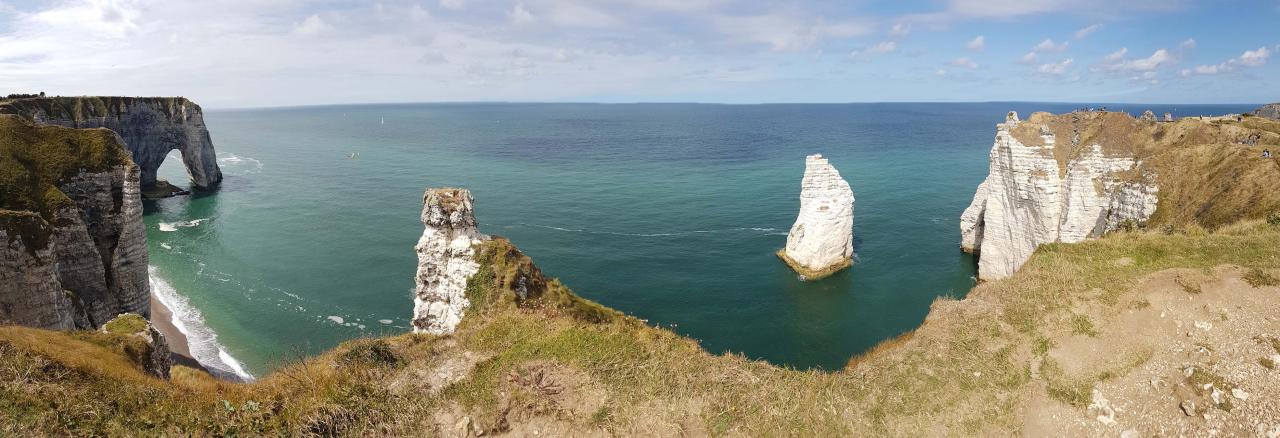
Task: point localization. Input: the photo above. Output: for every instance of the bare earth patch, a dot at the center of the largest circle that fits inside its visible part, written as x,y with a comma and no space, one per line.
1187,364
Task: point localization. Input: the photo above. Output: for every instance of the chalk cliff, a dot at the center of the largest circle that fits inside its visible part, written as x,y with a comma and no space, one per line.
150,127
821,240
72,243
446,260
1052,178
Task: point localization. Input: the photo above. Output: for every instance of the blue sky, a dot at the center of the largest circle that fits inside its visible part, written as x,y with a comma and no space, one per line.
235,53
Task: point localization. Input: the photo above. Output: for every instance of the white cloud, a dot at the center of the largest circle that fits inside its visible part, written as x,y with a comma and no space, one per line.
964,62
899,30
882,48
1049,46
1117,62
1250,58
1087,30
940,72
519,14
1055,68
1116,55
452,4
785,32
1190,43
977,44
580,15
313,25
1029,58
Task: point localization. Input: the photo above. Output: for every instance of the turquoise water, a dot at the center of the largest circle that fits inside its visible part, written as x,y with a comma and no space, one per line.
669,212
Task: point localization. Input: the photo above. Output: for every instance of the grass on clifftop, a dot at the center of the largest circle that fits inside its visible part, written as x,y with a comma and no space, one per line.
35,159
555,363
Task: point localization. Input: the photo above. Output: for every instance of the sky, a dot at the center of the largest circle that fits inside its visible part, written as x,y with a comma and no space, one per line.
251,53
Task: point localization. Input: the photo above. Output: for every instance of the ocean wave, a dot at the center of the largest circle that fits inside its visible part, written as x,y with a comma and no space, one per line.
173,226
201,340
769,231
236,162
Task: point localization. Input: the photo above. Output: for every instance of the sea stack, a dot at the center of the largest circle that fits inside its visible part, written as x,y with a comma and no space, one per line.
821,241
1064,178
446,259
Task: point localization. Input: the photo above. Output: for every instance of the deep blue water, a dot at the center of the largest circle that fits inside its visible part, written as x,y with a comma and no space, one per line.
669,212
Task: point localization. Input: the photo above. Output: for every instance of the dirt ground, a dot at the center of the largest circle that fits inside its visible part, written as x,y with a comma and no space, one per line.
1191,354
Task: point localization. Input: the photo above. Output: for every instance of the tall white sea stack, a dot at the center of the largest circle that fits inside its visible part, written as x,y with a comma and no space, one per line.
821,241
446,259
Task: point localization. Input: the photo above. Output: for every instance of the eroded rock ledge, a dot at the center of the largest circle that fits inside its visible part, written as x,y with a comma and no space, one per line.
149,126
1062,178
821,240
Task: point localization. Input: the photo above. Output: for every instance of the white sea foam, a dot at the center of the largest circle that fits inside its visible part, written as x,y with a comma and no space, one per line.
173,226
166,246
201,340
336,318
385,321
233,162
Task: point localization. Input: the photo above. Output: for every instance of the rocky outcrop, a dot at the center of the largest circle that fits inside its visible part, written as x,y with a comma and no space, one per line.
72,243
150,127
142,343
446,260
1054,179
821,240
1270,111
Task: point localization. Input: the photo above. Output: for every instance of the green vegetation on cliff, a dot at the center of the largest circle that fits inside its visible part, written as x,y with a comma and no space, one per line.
35,159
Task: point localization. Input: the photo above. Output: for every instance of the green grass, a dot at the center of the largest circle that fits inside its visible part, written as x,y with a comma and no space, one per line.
126,324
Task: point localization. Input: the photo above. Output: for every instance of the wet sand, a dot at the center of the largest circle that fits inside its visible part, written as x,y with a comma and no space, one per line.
162,319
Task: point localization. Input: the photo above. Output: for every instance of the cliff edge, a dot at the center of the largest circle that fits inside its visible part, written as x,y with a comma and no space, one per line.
1071,177
72,243
149,126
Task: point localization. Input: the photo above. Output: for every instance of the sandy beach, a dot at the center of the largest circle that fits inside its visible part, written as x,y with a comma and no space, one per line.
162,319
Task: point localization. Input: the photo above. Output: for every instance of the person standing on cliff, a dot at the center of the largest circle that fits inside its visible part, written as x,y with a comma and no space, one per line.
1266,153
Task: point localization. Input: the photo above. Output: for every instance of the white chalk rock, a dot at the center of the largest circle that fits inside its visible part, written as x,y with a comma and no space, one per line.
446,259
821,240
1029,198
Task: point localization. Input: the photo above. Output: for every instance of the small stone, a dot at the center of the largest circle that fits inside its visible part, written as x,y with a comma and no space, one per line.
1204,325
1216,395
1239,394
1189,371
977,374
1129,433
1188,407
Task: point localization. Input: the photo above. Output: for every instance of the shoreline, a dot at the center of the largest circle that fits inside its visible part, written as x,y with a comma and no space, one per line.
180,351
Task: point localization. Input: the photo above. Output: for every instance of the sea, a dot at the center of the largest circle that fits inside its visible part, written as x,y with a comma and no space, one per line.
667,212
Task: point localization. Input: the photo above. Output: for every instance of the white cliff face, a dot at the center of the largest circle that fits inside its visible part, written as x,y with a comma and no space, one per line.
92,267
821,240
1027,200
446,260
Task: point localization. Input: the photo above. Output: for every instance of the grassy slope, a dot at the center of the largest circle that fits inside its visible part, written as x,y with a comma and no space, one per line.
565,364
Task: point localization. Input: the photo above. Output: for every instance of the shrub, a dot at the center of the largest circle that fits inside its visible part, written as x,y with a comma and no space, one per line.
1273,218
